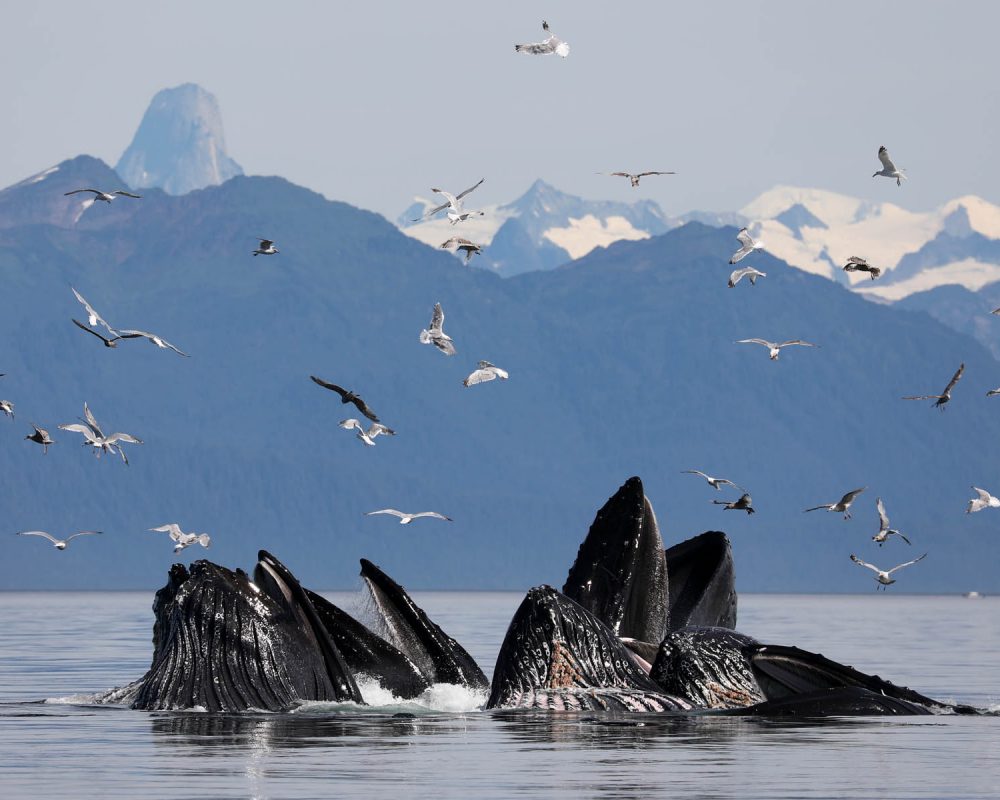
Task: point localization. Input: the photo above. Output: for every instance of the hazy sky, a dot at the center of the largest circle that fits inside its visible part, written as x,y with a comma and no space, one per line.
373,103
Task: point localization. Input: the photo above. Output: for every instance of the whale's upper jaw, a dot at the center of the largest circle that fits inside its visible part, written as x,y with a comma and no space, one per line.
702,582
438,657
620,572
555,646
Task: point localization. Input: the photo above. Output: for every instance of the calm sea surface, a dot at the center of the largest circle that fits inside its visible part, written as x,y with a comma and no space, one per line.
59,648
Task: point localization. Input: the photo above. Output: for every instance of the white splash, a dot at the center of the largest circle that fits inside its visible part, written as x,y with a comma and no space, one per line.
439,698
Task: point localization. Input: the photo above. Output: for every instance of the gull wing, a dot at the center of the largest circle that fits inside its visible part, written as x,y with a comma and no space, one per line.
123,193
152,337
622,174
883,520
444,344
536,48
433,514
350,424
856,261
204,540
848,498
92,422
456,241
76,427
901,536
697,472
861,563
92,316
362,406
797,341
82,533
954,379
467,191
377,428
331,386
826,506
744,238
924,397
644,174
906,564
77,191
91,331
883,156
390,511
452,200
265,244
43,534
114,438
764,342
437,319
480,376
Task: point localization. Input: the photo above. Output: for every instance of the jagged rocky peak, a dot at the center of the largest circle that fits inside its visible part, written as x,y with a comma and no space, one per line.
180,145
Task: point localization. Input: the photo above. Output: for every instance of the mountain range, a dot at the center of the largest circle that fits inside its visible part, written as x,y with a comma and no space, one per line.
621,362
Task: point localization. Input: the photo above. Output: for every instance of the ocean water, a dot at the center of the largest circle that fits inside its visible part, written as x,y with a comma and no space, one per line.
58,648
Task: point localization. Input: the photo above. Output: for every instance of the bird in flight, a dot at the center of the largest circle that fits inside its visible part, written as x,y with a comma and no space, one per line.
347,397
41,436
406,519
159,341
945,396
775,347
485,372
435,335
107,342
744,503
889,170
106,197
95,437
843,505
884,531
857,264
553,44
7,407
715,483
59,544
984,500
458,243
882,575
747,246
367,437
181,539
265,248
635,178
93,317
456,213
738,274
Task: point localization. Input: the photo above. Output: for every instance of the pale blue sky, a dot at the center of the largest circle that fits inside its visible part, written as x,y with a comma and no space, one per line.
372,103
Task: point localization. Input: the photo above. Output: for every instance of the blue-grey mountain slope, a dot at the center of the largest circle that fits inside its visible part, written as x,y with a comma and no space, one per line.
620,363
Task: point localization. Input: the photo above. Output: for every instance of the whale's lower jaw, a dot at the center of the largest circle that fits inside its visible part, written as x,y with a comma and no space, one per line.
595,699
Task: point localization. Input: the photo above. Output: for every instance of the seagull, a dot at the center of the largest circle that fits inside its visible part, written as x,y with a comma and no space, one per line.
182,539
7,407
995,311
715,483
41,436
843,505
406,519
551,45
435,335
945,396
747,245
882,576
745,503
858,264
265,248
775,347
59,544
984,500
347,397
106,197
634,179
93,317
737,275
159,341
884,531
889,169
458,243
107,342
96,438
485,372
454,205
993,392
367,437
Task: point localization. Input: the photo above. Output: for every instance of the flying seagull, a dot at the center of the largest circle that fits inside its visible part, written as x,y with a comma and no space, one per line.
747,246
551,45
435,335
96,438
745,503
945,396
106,197
485,372
775,347
367,437
737,275
458,243
159,341
347,397
265,248
843,505
884,531
993,392
889,170
7,407
634,178
107,342
858,264
59,544
984,500
406,519
41,436
93,317
882,576
715,483
181,539
454,205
